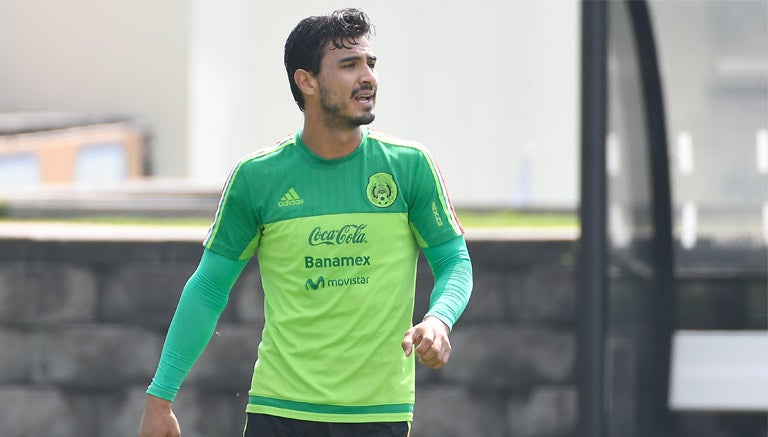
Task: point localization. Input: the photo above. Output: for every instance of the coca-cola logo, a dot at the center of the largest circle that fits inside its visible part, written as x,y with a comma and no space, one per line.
347,234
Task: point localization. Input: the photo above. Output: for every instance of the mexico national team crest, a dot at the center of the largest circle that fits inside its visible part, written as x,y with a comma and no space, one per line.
381,190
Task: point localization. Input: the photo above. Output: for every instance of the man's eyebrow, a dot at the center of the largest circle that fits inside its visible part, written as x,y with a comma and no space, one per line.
357,58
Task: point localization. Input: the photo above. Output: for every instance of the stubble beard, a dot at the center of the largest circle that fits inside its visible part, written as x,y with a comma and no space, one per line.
335,116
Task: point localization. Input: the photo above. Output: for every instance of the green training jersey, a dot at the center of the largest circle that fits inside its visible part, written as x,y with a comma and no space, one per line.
337,243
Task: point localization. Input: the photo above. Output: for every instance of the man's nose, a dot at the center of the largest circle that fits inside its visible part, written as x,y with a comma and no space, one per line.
369,76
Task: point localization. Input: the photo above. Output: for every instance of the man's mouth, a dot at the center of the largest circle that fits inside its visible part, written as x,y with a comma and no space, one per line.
364,95
364,98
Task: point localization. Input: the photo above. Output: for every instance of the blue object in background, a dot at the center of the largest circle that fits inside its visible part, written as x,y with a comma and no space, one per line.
20,169
100,163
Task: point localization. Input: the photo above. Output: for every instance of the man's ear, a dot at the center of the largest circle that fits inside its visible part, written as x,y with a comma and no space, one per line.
306,81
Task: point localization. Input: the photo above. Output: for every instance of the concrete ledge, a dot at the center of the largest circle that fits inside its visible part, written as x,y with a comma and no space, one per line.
63,231
136,198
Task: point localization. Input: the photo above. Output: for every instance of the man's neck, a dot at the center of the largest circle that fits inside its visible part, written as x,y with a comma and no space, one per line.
331,143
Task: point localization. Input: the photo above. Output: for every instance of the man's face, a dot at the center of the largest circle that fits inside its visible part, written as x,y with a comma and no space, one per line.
347,83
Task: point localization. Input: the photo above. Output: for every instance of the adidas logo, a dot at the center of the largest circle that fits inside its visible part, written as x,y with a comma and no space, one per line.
290,198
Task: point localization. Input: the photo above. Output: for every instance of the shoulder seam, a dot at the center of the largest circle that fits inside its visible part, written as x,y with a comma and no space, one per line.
395,141
276,147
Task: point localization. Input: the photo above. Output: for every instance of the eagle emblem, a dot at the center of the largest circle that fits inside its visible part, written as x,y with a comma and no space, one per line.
381,190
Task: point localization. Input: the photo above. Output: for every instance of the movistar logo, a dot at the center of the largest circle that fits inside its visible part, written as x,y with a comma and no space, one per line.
320,283
340,282
347,234
290,198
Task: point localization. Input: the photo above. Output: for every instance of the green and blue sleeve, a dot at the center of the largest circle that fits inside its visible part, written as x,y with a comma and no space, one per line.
452,269
202,301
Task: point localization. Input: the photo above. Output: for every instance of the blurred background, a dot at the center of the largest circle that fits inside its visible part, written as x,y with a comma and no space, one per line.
206,82
140,109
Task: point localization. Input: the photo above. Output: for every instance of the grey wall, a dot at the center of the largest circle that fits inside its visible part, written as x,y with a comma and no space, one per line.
82,325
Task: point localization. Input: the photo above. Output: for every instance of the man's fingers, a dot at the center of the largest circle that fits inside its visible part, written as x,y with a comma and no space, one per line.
409,340
436,354
407,344
425,343
429,350
430,346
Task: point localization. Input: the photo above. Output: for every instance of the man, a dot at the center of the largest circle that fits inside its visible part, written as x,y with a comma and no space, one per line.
336,215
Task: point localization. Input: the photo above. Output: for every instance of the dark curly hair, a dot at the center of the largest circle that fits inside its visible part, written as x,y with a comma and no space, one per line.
304,46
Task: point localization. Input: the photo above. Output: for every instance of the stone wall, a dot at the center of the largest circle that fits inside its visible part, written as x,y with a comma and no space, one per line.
82,324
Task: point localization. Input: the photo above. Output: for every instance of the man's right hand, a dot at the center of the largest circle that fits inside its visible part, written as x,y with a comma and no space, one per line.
158,419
